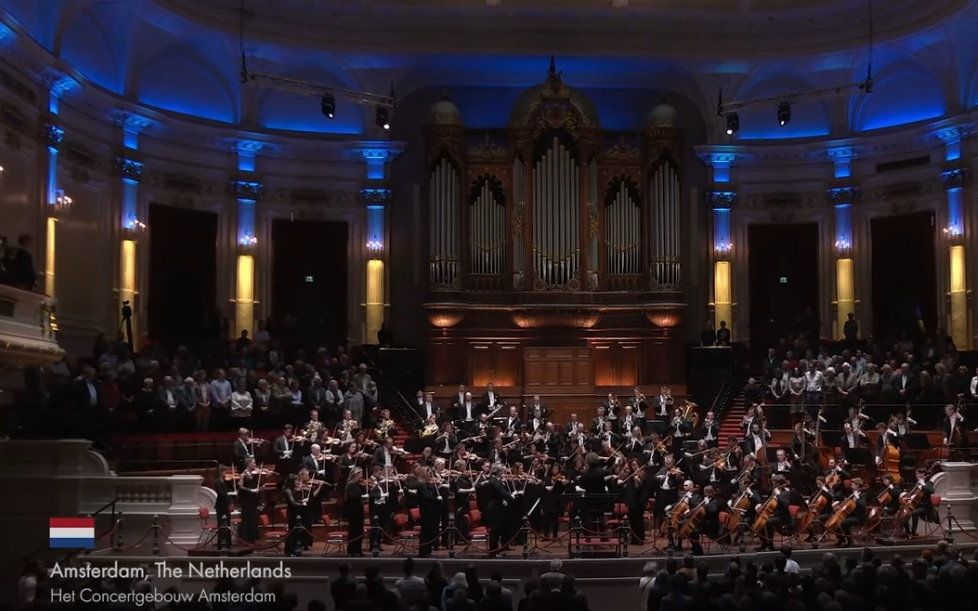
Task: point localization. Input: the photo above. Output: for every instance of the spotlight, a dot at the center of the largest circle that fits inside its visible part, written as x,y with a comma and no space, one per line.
383,118
733,123
784,113
329,105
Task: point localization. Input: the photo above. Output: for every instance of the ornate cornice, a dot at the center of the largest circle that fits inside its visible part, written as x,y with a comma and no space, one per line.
128,168
953,133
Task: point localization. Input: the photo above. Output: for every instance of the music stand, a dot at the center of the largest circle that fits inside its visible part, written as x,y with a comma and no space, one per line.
916,441
657,426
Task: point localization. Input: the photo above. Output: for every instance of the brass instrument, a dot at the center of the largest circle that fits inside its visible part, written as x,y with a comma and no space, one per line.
428,430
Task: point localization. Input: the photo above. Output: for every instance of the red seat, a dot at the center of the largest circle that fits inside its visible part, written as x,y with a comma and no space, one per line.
724,518
415,513
793,510
935,500
476,517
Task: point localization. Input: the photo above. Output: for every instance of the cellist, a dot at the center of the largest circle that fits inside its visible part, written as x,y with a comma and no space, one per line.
773,513
708,514
924,508
854,509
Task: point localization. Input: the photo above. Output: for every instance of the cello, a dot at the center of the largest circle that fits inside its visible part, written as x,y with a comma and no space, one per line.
842,511
739,508
765,513
816,505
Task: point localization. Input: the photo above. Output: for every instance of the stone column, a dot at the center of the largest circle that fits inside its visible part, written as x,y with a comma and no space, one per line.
953,179
954,485
247,194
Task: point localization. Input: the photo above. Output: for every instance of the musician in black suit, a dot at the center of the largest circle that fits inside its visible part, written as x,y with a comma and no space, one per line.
666,484
244,448
248,490
597,423
756,440
353,512
459,399
663,403
286,453
468,411
925,509
835,468
709,430
710,523
491,399
851,438
513,426
430,504
498,501
316,464
782,496
952,426
858,515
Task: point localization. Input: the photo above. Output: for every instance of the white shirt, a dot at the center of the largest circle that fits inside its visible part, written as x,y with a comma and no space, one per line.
813,381
790,566
974,386
468,411
429,409
93,394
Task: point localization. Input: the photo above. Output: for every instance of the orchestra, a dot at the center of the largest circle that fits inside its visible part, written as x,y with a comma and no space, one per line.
516,466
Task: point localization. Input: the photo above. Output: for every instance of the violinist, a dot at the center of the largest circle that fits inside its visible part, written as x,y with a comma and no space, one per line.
386,454
355,495
244,448
750,470
552,505
709,430
925,507
295,501
462,488
636,497
855,505
711,467
382,498
249,487
446,440
666,483
352,459
316,464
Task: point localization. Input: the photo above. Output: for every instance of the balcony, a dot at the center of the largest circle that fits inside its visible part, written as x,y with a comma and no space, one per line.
27,328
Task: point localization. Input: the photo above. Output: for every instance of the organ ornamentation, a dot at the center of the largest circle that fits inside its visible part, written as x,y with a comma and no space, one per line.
553,235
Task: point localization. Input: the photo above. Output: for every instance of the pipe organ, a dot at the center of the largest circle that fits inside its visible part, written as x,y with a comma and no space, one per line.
556,216
563,237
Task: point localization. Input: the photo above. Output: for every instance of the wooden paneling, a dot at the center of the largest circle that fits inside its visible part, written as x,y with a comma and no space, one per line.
616,364
563,369
495,362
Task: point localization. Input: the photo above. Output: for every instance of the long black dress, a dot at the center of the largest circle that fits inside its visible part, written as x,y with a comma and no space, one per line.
248,503
353,512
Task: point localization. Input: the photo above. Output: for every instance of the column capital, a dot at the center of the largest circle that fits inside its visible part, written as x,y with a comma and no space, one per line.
251,190
53,135
128,168
954,177
842,195
721,200
378,196
130,121
951,134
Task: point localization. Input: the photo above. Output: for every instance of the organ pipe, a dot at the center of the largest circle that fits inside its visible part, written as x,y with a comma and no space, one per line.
665,224
487,240
443,206
557,206
622,228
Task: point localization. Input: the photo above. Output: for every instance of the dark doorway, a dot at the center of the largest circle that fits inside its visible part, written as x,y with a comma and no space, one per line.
783,283
182,275
904,275
309,260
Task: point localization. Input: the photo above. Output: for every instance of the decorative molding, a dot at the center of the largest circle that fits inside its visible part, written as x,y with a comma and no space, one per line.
841,153
129,120
954,133
721,158
721,199
247,189
375,195
953,178
53,135
128,168
841,195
